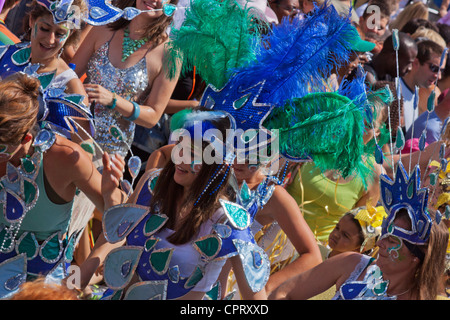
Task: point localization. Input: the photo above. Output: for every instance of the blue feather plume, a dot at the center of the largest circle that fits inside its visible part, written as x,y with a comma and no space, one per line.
298,55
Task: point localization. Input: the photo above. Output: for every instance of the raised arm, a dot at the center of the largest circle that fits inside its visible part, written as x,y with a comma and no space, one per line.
333,271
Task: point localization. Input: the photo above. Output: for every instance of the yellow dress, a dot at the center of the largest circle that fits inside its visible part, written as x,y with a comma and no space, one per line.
323,201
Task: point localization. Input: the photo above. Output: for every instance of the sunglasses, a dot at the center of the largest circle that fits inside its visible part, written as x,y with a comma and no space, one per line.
434,68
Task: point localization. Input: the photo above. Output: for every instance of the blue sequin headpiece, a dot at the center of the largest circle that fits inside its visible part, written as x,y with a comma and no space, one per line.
57,108
405,193
101,12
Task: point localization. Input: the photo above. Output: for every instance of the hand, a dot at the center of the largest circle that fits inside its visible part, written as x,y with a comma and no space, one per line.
99,94
113,168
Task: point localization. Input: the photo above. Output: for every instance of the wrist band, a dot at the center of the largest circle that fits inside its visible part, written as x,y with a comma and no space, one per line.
136,112
114,101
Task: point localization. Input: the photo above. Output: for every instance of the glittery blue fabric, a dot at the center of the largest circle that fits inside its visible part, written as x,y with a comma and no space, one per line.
232,241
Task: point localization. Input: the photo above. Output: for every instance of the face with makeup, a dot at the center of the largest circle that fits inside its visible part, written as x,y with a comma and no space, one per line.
47,38
7,151
245,171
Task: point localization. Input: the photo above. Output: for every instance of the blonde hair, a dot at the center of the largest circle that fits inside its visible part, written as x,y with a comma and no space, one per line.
414,10
19,107
429,34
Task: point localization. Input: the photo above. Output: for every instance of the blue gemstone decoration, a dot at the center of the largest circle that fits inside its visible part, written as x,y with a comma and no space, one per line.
13,283
222,230
257,259
123,228
351,290
174,274
97,13
126,268
169,9
14,208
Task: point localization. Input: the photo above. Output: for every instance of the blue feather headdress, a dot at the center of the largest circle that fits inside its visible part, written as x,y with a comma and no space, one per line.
278,82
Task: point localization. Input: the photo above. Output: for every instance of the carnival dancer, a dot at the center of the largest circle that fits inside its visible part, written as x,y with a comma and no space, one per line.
180,227
40,175
126,76
270,206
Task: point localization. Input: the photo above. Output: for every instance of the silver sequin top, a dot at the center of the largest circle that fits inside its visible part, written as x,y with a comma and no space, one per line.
128,83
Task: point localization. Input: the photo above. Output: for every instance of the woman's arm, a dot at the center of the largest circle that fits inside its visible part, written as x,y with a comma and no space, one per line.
160,157
284,209
333,271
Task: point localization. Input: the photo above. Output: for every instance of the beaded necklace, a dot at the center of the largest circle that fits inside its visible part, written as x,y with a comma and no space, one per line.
129,46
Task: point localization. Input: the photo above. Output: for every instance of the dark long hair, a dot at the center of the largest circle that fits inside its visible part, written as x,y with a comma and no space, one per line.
200,205
155,31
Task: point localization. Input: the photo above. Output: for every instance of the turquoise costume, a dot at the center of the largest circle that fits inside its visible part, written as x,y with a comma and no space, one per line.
167,271
33,230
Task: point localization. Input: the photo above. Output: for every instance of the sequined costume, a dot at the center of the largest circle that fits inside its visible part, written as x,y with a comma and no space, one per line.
128,83
371,287
167,271
33,230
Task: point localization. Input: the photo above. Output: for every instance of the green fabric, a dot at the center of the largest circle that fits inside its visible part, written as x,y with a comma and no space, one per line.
321,203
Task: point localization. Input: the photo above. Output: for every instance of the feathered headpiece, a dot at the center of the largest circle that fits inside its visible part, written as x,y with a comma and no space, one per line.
276,85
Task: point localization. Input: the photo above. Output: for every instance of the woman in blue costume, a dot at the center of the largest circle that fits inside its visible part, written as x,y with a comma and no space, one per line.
41,173
179,228
126,75
272,207
47,39
411,255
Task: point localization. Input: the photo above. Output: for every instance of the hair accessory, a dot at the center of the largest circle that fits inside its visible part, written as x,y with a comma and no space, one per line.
370,219
63,12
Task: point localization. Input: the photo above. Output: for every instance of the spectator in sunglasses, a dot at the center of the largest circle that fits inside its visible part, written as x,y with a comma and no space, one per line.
425,72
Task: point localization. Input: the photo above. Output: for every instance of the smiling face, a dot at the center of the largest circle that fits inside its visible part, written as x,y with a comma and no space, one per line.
47,38
187,168
151,5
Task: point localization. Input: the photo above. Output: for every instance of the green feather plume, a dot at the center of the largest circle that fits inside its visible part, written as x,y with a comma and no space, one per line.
215,37
325,125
